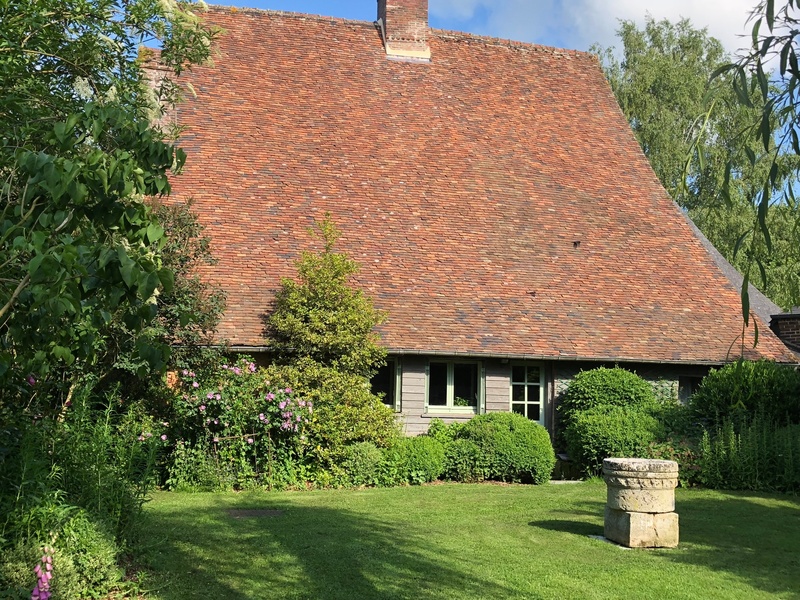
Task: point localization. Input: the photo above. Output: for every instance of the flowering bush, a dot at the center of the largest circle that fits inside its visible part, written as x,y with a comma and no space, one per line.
256,434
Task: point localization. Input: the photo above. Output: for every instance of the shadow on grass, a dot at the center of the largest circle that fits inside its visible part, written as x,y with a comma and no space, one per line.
752,537
306,552
582,528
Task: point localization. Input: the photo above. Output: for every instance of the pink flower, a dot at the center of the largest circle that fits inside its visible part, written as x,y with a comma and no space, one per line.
210,396
237,370
288,390
140,438
202,407
31,380
218,397
216,439
249,440
270,396
164,437
185,372
252,367
282,405
195,384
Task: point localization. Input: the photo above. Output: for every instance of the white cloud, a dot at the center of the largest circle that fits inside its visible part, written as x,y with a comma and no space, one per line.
580,23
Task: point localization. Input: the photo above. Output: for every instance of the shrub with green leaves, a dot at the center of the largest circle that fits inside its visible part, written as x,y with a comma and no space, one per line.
755,455
255,431
605,387
345,411
464,461
362,463
741,390
604,431
424,458
514,448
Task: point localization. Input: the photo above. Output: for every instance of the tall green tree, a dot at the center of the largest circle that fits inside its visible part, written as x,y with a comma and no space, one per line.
322,317
79,154
665,86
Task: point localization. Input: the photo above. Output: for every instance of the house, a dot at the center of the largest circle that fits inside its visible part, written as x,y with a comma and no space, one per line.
492,191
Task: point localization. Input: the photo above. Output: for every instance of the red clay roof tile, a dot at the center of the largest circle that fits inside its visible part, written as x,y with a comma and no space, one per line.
495,198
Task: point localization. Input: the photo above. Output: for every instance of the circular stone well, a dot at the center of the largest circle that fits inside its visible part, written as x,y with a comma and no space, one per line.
640,484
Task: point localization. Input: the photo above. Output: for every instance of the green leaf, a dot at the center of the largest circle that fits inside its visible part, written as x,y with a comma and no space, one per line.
35,263
770,10
148,284
167,278
127,271
739,242
154,232
63,353
746,299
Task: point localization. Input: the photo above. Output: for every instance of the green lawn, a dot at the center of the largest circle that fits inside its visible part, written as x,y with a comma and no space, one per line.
464,541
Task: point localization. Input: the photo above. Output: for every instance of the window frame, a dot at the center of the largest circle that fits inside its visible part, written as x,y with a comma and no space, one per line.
450,407
396,402
542,386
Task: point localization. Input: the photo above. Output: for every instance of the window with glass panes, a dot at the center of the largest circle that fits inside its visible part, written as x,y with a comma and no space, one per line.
527,391
386,383
454,386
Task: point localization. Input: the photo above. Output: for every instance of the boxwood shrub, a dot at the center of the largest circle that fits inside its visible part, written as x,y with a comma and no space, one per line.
510,448
604,431
605,387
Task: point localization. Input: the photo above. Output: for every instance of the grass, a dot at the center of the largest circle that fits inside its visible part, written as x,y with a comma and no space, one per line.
464,541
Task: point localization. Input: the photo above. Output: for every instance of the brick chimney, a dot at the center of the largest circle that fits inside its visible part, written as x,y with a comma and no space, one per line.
404,25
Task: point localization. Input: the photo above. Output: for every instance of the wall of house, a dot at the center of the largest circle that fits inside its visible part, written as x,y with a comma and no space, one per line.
496,393
668,381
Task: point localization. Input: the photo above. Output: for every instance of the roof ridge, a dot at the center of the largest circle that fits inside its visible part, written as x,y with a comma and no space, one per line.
286,13
447,34
443,34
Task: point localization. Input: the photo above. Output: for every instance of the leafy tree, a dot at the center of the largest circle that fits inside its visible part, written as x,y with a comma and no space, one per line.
322,317
79,153
664,86
769,73
322,334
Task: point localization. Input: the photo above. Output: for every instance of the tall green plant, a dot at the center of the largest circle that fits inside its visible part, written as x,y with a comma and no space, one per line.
322,317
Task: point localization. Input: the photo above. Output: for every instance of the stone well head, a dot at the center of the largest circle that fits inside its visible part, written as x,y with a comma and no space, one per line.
641,502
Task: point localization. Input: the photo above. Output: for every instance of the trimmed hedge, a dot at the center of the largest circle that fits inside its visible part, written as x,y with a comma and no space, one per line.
606,387
605,431
509,448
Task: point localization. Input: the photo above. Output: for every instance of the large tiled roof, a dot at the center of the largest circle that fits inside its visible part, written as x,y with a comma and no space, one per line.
495,198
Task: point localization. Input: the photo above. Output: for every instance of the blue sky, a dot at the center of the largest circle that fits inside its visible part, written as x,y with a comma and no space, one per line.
564,23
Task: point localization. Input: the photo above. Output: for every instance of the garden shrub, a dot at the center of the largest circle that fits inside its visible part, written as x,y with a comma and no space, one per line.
756,455
362,463
512,448
740,390
605,387
464,462
192,468
604,431
424,459
345,411
253,432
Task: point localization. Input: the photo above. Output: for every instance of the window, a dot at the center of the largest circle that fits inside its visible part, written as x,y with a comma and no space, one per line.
386,383
454,386
527,391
